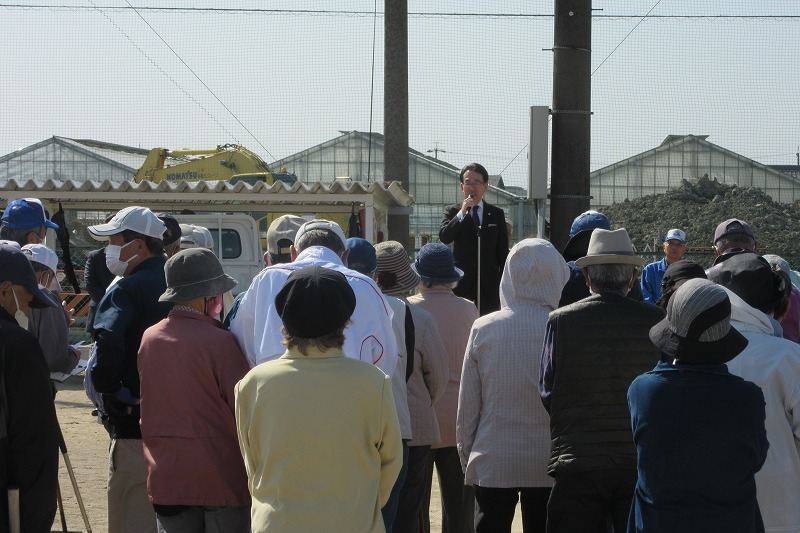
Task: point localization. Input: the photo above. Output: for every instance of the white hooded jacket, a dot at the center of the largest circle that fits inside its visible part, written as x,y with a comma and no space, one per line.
502,429
773,364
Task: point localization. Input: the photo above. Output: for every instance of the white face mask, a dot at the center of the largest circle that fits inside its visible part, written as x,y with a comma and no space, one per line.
113,262
19,316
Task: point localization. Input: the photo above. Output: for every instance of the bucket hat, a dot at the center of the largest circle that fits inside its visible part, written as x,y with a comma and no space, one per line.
435,264
392,258
133,218
361,256
24,213
610,247
697,328
195,273
679,272
16,268
315,301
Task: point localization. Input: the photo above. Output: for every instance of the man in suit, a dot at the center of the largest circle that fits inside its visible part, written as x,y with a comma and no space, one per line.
461,226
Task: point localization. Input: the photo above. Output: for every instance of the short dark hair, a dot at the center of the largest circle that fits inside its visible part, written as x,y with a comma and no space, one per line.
18,235
154,246
474,167
334,339
320,237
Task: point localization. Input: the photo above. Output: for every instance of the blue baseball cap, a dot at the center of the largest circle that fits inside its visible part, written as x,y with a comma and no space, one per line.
589,220
362,257
25,213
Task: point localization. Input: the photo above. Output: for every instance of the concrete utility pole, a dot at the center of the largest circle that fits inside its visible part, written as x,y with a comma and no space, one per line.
572,98
395,108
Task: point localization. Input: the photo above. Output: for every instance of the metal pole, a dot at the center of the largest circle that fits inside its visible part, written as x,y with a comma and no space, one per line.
395,110
68,464
571,111
478,295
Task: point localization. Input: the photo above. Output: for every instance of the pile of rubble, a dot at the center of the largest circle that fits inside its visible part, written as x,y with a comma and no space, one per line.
697,206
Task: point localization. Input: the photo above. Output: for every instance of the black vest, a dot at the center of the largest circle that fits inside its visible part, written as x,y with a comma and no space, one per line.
601,344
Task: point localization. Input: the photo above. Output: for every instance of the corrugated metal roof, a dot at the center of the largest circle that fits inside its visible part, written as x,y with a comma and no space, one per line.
205,196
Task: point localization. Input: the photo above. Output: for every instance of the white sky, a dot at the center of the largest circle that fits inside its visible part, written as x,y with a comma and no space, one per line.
295,79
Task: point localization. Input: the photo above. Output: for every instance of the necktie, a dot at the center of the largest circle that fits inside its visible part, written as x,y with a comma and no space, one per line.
475,218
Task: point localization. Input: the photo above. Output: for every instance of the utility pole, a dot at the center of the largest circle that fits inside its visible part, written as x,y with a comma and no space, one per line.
395,109
571,111
436,150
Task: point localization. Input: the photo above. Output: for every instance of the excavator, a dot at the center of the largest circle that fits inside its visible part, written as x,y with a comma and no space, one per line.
225,162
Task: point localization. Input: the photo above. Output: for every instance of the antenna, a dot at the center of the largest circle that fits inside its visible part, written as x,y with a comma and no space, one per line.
436,150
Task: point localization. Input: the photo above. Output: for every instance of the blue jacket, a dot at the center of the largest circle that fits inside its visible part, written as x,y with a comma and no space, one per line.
128,308
652,274
700,439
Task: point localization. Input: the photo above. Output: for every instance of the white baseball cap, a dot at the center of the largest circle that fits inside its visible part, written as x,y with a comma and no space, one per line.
134,218
321,224
39,253
675,235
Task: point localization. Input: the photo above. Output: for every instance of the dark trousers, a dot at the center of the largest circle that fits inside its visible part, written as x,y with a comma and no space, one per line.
495,507
586,501
389,511
407,519
458,500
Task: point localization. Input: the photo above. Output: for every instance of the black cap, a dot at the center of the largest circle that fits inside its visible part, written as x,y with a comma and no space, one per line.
173,231
750,276
680,271
315,301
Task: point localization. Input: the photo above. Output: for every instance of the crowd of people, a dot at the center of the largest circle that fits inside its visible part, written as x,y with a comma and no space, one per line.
592,390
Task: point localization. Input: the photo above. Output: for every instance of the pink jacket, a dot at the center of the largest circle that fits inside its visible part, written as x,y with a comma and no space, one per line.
454,317
188,367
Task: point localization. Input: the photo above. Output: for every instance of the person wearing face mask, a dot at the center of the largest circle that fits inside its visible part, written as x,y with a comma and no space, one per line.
135,252
28,425
50,325
25,222
194,424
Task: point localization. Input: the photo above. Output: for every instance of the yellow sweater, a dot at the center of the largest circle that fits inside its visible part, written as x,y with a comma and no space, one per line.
321,443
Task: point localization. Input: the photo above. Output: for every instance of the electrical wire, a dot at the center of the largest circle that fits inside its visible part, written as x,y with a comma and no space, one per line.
201,82
626,37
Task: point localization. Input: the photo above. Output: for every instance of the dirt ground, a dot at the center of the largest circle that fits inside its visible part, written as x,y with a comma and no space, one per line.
87,446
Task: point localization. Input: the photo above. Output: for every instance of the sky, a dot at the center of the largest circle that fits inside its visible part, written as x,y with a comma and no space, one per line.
282,76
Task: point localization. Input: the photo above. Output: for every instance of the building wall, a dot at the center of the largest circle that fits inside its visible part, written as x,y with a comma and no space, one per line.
58,162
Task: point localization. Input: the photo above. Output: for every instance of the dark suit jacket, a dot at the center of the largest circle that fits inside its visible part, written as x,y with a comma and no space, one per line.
96,278
494,250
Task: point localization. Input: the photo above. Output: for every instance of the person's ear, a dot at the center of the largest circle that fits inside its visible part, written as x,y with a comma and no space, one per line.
345,255
293,253
586,277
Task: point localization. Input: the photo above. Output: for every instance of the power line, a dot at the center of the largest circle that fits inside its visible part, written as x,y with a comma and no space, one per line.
626,37
201,81
361,13
165,73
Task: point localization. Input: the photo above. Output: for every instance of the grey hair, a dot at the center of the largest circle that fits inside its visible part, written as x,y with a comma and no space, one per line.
737,240
610,277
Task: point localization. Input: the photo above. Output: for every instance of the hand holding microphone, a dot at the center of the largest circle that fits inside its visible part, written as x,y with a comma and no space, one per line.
467,204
